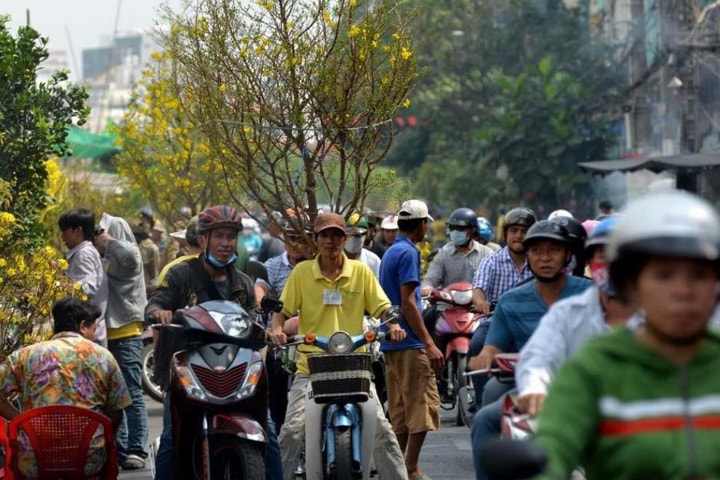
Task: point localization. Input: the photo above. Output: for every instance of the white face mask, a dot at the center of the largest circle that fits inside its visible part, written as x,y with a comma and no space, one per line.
353,245
458,238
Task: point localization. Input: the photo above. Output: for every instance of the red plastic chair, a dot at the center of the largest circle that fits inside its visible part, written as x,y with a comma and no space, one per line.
60,437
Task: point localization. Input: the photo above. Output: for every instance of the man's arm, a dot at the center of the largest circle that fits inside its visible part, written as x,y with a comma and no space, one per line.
85,271
414,319
166,298
434,276
499,339
482,282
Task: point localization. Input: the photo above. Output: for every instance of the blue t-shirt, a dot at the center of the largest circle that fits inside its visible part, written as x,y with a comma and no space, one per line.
400,266
519,310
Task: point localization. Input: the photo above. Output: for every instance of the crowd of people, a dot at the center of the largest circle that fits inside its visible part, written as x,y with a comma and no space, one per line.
610,318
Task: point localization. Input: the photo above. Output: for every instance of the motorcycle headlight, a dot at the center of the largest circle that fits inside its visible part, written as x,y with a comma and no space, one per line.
187,379
462,297
252,377
340,342
236,326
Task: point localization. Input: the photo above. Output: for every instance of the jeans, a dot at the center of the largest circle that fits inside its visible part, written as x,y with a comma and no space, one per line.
486,424
132,435
164,462
476,345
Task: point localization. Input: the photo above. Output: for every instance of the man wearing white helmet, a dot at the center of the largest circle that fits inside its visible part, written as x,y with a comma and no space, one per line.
646,403
388,234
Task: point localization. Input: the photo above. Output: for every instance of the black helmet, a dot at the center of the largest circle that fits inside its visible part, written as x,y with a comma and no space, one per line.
576,231
463,217
546,230
521,216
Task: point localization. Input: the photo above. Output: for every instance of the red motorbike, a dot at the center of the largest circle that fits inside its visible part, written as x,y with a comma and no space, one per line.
455,322
219,392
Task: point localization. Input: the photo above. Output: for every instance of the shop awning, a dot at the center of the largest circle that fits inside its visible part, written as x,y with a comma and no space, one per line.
689,162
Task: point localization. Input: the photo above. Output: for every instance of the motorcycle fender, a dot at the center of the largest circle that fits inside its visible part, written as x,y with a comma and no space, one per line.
459,345
238,424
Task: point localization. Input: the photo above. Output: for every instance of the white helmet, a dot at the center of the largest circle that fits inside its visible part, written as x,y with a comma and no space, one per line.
560,213
670,223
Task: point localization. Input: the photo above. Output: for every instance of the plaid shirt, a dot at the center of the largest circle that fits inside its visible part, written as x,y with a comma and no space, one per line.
497,274
451,265
278,271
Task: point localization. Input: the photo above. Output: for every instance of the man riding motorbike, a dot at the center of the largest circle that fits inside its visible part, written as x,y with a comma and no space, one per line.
517,315
644,403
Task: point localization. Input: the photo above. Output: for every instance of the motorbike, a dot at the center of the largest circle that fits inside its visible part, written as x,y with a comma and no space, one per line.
338,442
455,322
147,358
218,392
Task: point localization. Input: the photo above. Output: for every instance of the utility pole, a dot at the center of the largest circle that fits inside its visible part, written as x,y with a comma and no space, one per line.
641,127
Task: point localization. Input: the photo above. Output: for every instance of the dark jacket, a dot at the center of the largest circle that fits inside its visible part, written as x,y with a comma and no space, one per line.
185,285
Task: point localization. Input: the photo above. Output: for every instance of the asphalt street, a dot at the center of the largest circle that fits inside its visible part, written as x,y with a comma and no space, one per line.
445,456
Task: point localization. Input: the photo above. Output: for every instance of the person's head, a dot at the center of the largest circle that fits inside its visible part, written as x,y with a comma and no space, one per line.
547,245
559,213
664,254
74,315
217,229
147,218
515,226
356,229
157,232
605,207
330,236
76,225
389,228
577,236
413,219
484,230
595,255
462,226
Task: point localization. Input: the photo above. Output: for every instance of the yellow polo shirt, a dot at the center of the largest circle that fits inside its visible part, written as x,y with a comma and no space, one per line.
327,306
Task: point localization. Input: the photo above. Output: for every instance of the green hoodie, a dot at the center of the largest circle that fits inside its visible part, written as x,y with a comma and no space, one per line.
622,411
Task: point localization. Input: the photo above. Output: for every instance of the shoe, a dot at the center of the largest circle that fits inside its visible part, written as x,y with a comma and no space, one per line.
133,462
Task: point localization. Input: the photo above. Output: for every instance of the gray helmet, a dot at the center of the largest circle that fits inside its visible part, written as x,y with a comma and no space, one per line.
521,216
674,223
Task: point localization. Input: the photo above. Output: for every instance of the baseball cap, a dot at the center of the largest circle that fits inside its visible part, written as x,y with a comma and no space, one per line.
389,223
325,221
412,209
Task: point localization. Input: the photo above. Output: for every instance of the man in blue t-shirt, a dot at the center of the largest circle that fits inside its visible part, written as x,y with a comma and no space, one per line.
413,400
518,314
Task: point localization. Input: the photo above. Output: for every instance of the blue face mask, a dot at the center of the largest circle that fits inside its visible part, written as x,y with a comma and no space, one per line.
217,264
458,238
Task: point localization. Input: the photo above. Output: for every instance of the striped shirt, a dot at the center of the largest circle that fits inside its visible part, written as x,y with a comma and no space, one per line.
451,265
278,271
497,274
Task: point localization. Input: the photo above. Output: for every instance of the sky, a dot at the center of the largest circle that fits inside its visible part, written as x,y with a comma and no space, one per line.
83,23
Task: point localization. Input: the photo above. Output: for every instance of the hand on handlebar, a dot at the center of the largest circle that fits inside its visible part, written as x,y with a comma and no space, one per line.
164,317
277,336
483,308
532,404
396,334
483,361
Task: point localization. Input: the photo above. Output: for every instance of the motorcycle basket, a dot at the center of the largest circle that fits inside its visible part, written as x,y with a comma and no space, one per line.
340,376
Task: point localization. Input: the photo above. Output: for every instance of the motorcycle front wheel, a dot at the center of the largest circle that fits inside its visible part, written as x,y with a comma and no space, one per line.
232,458
461,389
147,358
343,468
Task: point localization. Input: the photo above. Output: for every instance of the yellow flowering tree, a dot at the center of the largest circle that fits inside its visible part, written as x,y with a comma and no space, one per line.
296,98
31,280
165,157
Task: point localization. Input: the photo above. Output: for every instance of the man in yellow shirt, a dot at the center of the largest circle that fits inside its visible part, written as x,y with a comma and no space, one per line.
332,293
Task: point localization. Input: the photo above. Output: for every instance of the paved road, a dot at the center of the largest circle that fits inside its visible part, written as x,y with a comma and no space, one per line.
446,455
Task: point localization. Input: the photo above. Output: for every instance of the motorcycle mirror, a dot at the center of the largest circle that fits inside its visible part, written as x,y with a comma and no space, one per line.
269,304
392,315
512,459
